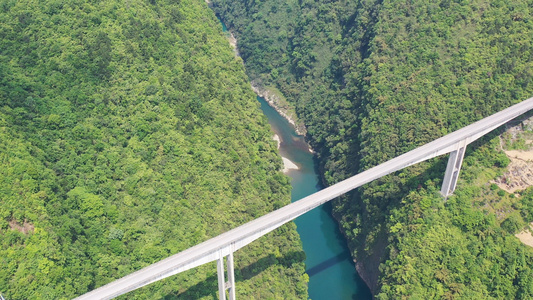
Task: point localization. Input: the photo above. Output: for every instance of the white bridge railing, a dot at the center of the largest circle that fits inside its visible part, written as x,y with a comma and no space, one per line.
225,244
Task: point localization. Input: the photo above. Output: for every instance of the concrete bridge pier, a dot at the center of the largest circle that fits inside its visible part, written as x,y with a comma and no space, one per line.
225,244
452,169
222,284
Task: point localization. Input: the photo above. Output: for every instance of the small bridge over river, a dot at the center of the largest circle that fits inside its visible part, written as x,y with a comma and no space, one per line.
227,243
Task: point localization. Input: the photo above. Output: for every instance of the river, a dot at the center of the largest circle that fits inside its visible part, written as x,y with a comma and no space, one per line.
331,271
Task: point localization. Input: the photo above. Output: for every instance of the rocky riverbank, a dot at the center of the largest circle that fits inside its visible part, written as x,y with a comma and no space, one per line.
277,103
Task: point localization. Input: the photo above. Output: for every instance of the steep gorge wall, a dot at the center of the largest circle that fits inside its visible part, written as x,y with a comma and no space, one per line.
372,80
128,133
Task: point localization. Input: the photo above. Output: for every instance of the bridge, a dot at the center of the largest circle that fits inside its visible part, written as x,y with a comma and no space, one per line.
227,243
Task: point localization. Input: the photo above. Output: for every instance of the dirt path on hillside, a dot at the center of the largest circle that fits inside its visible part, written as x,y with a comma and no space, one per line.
526,237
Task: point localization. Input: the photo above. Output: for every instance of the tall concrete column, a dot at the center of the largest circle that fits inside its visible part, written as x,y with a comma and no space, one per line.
221,280
231,276
222,284
452,169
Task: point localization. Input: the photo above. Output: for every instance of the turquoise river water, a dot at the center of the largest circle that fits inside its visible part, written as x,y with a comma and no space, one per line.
328,262
331,271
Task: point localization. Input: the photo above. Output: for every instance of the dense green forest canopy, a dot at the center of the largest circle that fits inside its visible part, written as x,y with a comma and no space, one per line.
129,132
374,79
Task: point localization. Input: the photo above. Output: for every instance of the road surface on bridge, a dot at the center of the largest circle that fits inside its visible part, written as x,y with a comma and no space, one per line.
230,241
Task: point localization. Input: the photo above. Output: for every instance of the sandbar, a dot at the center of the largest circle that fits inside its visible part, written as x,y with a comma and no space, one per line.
288,165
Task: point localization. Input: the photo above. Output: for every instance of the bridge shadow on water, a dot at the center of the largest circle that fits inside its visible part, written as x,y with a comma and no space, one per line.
330,262
209,287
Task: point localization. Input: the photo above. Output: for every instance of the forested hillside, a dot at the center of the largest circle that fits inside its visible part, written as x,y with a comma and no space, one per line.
374,79
129,132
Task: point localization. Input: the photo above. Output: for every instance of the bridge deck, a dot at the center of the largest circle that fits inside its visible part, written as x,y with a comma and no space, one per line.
237,238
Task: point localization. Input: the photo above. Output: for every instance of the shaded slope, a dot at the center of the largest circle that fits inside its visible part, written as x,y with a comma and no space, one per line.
396,75
129,133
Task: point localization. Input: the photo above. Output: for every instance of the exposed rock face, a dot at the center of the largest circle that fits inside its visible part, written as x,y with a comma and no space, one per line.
368,267
275,101
25,227
519,175
526,237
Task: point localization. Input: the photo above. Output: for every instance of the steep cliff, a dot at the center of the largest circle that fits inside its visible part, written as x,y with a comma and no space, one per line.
128,133
374,79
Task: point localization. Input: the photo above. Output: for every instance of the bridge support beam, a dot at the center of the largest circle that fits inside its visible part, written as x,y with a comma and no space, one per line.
222,284
231,276
452,169
221,280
